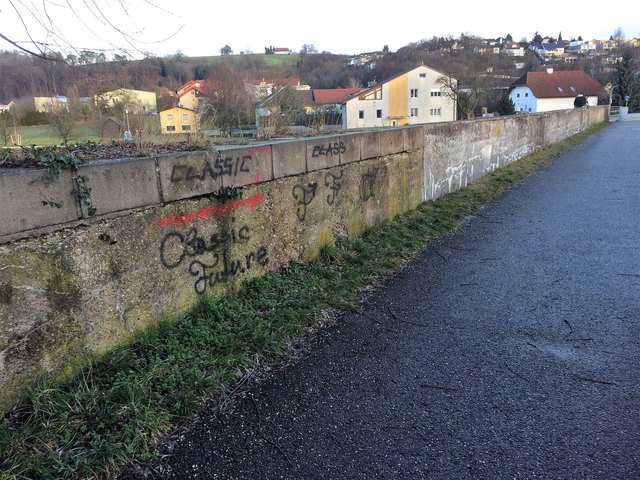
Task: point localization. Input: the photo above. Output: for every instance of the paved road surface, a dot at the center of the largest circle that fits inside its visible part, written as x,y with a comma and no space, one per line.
509,350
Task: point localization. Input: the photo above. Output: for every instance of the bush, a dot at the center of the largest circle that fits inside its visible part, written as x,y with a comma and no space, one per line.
34,118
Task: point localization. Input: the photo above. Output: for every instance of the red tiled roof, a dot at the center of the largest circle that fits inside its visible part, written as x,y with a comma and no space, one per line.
567,83
203,87
333,95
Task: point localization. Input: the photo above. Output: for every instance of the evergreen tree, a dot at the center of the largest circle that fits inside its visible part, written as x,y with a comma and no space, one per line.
627,83
505,106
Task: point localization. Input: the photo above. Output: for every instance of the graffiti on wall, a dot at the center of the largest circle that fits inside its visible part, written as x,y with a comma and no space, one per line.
209,258
227,165
367,184
216,211
329,150
304,194
334,182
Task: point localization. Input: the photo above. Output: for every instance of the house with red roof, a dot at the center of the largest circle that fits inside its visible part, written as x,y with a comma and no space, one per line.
191,93
309,102
553,90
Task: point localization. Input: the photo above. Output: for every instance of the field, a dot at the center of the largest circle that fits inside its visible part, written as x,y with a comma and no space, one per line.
41,135
269,60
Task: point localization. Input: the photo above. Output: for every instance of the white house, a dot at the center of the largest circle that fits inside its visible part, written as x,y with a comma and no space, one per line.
514,49
411,97
553,90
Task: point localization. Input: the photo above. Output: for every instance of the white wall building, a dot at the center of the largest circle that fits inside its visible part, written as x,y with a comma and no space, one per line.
411,97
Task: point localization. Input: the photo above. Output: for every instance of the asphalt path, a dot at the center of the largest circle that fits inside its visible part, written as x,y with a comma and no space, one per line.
510,349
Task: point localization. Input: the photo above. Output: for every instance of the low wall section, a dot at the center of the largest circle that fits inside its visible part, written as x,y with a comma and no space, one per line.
74,285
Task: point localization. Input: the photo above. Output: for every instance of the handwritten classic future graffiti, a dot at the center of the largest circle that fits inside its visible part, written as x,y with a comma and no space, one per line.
209,256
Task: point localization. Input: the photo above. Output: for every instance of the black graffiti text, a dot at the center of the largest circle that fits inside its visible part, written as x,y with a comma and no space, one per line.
220,167
334,182
330,150
367,184
175,247
304,195
223,268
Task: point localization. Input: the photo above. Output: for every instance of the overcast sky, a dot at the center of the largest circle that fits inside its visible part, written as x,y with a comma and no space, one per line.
163,27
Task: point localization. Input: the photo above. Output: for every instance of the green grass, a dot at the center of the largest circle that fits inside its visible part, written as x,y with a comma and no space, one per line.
114,411
47,135
269,60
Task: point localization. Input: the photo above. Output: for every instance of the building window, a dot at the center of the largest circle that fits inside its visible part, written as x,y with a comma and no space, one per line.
414,93
186,128
361,114
378,113
436,93
518,95
414,112
435,111
170,117
374,95
423,75
171,128
560,89
185,117
526,94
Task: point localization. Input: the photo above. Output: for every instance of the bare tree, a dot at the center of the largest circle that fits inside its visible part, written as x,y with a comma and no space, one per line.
63,121
41,29
464,85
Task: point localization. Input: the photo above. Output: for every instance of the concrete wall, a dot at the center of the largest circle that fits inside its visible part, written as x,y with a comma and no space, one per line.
74,285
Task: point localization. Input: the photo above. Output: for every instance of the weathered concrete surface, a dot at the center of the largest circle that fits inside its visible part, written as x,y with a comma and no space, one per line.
76,287
77,293
509,349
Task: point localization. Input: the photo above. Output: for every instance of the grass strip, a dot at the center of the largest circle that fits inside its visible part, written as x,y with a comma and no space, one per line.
112,413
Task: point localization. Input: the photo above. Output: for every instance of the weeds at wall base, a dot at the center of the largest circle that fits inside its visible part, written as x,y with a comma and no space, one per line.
113,412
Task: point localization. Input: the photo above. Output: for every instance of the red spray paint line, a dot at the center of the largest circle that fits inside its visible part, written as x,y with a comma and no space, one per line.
216,212
264,150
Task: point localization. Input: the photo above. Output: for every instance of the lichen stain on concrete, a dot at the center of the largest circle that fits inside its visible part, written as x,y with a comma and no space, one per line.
62,294
6,293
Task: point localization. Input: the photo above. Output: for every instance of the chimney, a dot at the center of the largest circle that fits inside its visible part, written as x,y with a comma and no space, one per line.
549,70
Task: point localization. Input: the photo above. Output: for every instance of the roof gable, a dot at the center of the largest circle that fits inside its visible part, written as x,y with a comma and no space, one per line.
378,85
333,95
203,87
567,83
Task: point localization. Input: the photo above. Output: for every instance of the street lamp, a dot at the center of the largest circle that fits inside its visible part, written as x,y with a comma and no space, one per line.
611,95
128,132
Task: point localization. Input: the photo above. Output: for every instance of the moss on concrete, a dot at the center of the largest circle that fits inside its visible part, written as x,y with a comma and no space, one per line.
62,293
6,293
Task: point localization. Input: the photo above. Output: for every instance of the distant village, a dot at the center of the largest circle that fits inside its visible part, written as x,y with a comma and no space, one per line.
417,95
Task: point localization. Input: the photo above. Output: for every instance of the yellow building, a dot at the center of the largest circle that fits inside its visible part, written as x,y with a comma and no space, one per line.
178,120
51,104
136,101
194,93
